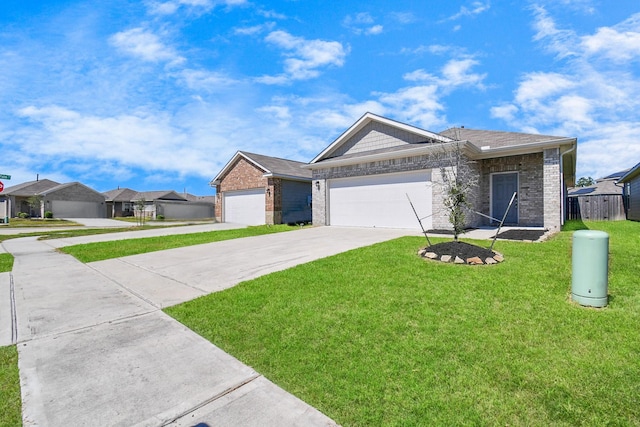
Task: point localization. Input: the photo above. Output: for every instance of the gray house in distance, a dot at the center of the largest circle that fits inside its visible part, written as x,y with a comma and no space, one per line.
631,182
71,200
121,202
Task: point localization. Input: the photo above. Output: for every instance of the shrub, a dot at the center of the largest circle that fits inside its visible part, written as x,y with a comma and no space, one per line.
48,214
23,215
160,217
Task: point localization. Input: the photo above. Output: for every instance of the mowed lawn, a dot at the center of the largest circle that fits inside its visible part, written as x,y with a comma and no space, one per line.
378,336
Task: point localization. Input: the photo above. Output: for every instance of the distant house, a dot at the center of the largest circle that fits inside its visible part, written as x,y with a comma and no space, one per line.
256,189
631,182
602,201
168,203
71,200
364,176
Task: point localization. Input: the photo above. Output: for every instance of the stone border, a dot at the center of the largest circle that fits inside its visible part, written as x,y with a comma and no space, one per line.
495,259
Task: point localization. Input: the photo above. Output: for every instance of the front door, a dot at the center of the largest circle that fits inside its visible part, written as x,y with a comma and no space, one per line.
503,185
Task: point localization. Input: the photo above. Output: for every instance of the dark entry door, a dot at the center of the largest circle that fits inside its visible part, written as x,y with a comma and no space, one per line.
503,186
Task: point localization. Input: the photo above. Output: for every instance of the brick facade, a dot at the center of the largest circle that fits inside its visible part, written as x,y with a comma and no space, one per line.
552,189
243,175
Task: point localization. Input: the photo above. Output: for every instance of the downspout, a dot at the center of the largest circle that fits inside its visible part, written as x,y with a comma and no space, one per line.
564,196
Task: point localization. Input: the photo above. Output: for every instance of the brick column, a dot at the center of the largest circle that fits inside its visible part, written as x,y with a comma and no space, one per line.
552,190
319,201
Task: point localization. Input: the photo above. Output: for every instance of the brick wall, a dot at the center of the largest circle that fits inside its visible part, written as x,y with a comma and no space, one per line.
439,219
530,186
243,175
552,189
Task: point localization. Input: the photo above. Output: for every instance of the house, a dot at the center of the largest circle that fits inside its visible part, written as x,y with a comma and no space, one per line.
602,201
631,182
256,189
365,177
71,200
168,203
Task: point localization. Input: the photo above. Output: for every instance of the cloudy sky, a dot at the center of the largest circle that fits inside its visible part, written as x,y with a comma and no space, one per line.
160,94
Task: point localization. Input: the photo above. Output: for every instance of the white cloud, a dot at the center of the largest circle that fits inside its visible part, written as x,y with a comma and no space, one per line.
144,44
172,6
254,29
476,8
362,23
304,57
404,17
454,73
210,81
619,43
595,98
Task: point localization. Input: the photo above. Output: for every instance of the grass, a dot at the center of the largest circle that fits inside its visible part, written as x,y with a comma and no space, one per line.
39,222
6,262
377,336
106,250
10,403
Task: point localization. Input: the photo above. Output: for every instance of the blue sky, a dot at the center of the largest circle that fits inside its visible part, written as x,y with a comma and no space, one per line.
157,95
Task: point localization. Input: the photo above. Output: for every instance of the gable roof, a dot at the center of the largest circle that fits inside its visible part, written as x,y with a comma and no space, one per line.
68,184
631,174
368,118
120,195
271,166
30,188
491,139
600,188
158,195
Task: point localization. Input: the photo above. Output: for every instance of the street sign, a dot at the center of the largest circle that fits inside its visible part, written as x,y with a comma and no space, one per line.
5,176
1,186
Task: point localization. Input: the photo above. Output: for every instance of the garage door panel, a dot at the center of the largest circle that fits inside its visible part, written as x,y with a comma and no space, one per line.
245,206
76,209
381,200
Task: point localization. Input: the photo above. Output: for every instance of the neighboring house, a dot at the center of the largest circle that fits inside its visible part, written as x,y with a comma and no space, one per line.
255,189
364,177
631,182
168,203
71,200
602,201
119,202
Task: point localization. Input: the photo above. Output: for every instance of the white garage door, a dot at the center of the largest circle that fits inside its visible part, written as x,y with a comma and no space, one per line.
381,201
245,206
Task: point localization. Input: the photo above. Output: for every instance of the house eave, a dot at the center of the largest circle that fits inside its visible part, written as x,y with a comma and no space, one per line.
633,172
514,150
288,177
467,147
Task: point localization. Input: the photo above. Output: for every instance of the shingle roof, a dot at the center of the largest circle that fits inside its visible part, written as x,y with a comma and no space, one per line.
600,188
278,166
30,188
158,195
120,195
496,139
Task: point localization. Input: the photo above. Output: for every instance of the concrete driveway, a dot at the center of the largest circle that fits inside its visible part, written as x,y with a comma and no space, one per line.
94,348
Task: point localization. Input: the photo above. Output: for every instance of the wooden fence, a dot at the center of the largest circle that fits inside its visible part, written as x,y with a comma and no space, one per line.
597,208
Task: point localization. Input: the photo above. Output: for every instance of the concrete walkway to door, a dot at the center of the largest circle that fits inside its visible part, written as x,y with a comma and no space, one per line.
94,348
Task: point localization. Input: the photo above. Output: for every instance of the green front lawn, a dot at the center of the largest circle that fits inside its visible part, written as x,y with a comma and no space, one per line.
106,250
6,262
378,336
10,403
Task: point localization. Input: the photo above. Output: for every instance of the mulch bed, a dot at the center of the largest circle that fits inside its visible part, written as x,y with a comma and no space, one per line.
532,235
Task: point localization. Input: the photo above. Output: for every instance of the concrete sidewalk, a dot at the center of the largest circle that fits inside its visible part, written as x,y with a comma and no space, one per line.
94,349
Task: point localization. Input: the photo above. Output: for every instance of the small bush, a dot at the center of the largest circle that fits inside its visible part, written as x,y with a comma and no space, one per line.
23,215
48,214
160,217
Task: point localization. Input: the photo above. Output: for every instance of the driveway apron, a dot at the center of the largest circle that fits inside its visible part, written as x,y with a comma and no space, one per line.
94,348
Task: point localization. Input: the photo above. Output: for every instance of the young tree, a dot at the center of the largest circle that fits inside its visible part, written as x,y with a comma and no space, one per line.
459,181
35,204
139,210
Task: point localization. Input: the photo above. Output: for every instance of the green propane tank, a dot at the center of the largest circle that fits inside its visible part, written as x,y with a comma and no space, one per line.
590,268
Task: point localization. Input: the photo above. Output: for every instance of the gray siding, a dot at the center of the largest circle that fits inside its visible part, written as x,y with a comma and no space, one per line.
375,136
295,201
184,210
634,199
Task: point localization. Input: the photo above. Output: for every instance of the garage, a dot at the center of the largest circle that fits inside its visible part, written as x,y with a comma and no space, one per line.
76,209
381,200
244,206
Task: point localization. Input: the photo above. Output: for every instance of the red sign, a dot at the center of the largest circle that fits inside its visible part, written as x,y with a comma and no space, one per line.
1,186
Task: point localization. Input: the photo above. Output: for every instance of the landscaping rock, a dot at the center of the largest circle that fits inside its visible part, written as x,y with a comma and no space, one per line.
498,257
445,258
474,260
458,260
430,255
490,260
